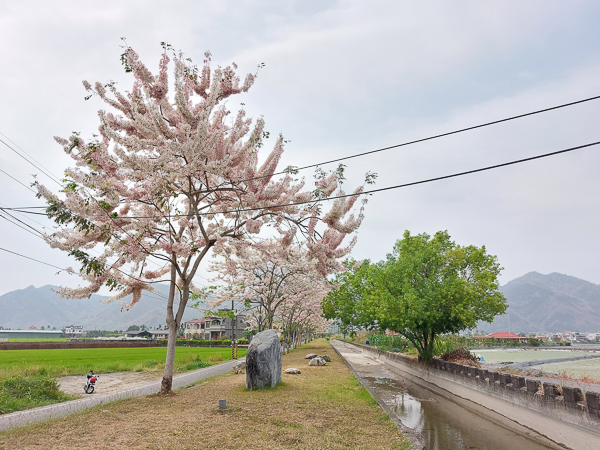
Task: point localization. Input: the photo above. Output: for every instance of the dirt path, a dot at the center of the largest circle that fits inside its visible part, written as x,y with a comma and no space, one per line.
108,382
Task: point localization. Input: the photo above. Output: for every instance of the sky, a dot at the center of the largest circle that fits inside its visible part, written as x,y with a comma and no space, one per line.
340,78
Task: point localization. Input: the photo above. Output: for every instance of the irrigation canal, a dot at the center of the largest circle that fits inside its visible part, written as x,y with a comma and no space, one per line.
433,421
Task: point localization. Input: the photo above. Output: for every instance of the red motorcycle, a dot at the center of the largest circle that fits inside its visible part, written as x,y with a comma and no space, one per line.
88,387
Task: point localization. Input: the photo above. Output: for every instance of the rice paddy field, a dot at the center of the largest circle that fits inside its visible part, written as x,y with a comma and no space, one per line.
579,370
64,362
517,355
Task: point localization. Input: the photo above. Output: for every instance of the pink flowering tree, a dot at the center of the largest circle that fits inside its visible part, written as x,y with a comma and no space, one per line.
287,278
172,177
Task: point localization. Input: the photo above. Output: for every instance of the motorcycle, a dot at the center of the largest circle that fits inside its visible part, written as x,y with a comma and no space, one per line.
88,387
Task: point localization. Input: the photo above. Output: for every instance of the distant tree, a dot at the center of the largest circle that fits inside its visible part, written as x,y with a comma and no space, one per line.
42,327
427,287
133,328
143,328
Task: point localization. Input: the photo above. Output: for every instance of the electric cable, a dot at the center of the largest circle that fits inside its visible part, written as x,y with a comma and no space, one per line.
371,191
52,177
293,169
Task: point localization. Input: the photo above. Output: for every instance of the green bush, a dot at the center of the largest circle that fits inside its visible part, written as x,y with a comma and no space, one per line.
386,342
18,393
196,342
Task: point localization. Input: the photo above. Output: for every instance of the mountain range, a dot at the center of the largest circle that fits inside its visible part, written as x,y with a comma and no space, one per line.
42,306
548,304
536,303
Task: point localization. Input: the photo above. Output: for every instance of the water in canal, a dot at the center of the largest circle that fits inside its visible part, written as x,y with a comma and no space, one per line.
440,423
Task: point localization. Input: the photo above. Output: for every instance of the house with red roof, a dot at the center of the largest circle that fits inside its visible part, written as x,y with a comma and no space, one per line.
504,335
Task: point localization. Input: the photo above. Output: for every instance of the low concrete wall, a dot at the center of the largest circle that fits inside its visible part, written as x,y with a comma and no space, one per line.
22,418
568,416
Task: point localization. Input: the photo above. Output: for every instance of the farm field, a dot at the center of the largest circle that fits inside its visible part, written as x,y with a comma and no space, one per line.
589,368
64,362
517,355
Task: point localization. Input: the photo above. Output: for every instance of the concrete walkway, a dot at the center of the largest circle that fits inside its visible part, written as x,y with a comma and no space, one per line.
22,418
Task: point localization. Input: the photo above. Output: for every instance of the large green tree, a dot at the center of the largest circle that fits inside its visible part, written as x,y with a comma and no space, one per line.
428,286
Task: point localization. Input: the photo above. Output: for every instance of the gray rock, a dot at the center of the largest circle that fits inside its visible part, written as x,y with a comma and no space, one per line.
263,361
239,367
325,357
292,371
318,361
311,356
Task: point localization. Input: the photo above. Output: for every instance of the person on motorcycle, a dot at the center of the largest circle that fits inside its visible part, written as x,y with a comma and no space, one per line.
90,375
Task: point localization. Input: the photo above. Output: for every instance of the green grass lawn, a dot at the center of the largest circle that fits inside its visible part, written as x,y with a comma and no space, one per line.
63,362
589,369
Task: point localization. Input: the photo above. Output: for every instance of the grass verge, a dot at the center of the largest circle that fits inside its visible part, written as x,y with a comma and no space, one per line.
18,393
324,407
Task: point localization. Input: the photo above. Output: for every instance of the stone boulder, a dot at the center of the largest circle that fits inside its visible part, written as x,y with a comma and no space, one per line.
311,356
318,361
263,361
292,371
325,357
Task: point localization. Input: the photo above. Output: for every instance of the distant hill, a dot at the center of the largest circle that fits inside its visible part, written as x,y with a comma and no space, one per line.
43,307
548,304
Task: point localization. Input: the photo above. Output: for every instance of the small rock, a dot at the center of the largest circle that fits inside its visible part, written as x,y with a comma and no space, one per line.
318,361
292,371
325,357
311,356
239,367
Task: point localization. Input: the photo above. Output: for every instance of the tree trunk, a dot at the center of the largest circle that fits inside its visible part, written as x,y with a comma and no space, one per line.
167,381
173,324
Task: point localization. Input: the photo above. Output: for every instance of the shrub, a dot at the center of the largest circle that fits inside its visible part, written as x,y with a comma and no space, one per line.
18,393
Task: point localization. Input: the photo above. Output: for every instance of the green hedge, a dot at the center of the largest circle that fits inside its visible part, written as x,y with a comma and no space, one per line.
202,342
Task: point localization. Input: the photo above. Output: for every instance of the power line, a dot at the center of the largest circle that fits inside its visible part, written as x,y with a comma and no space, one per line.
33,259
21,183
398,186
449,133
52,177
153,295
8,220
158,296
3,214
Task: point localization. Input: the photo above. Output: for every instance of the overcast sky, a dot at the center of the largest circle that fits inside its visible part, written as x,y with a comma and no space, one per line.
343,77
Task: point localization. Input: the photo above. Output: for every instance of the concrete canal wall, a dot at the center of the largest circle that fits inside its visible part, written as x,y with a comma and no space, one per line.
563,414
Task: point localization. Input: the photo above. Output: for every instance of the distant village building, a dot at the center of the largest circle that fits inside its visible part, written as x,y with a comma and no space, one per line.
212,328
160,334
30,334
141,334
503,335
73,331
